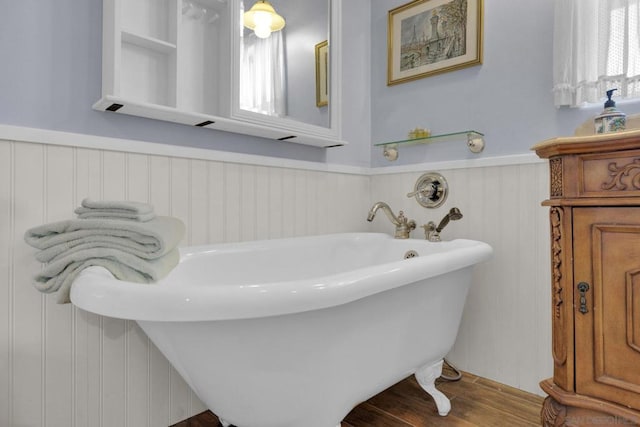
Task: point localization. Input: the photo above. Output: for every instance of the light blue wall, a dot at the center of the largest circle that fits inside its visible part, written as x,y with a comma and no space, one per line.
356,85
50,76
508,97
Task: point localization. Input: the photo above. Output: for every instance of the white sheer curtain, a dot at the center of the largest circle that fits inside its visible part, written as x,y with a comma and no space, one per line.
596,48
262,75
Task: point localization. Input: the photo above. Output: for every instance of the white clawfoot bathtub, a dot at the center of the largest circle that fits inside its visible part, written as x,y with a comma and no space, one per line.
296,332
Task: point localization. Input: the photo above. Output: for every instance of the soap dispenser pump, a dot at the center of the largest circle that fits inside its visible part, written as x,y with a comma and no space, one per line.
611,119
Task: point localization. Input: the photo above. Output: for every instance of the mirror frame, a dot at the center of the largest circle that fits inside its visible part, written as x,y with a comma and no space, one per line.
334,131
230,118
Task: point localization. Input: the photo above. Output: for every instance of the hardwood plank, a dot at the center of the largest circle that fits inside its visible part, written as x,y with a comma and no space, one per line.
368,415
204,419
475,401
510,399
407,401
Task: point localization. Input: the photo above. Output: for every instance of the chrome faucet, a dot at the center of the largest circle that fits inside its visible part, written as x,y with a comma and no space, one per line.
432,233
403,225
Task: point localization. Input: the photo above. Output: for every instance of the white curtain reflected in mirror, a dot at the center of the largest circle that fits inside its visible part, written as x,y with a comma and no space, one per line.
263,81
274,79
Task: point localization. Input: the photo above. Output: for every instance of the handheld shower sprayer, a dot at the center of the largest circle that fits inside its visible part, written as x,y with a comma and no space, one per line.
432,233
453,215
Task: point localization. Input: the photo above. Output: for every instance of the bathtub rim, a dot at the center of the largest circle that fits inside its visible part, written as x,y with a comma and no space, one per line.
96,290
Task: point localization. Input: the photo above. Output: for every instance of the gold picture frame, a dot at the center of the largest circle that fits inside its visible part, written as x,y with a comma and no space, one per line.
322,74
428,37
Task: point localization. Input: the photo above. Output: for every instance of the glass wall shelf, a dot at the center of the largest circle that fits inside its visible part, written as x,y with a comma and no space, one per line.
475,142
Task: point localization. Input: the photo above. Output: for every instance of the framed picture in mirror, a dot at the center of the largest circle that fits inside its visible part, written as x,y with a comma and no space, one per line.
322,73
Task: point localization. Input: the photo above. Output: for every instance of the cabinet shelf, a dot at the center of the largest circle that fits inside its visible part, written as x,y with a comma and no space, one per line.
147,42
475,142
208,121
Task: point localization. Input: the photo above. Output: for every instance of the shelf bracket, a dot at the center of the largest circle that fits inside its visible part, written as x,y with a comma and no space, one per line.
475,143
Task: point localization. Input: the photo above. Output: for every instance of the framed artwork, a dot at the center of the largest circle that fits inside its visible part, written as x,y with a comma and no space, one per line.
427,37
322,74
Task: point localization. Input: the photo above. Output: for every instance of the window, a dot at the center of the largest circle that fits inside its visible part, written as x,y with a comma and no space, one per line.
596,48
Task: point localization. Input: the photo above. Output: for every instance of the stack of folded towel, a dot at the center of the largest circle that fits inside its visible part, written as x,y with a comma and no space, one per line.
126,238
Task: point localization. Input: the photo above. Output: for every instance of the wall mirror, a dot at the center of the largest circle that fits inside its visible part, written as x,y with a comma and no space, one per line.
194,62
278,78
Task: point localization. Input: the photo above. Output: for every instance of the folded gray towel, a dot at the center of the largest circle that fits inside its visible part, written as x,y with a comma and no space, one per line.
116,209
135,251
58,276
150,239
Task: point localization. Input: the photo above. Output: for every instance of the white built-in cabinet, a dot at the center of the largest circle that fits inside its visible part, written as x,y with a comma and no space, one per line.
177,61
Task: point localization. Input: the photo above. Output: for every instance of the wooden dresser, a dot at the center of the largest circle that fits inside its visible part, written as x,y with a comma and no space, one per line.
595,277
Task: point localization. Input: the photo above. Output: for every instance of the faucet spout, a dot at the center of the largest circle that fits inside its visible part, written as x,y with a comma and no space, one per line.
386,209
402,224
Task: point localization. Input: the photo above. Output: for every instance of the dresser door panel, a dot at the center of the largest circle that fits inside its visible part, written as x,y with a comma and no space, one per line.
607,314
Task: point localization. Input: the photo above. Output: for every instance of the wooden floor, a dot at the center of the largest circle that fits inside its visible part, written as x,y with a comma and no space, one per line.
475,401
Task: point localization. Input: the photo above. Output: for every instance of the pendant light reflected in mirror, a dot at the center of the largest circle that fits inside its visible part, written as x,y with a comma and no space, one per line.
263,19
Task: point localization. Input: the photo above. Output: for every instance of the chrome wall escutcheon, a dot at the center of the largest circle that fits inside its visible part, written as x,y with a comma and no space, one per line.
583,287
431,190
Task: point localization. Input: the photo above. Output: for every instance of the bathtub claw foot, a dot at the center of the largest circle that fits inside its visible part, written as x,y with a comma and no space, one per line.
426,377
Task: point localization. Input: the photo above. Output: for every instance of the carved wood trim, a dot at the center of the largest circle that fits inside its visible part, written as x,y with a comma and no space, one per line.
556,258
553,414
617,175
581,405
559,341
555,169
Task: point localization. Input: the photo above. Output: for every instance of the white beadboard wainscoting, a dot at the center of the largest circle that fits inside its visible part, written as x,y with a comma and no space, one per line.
505,334
63,367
